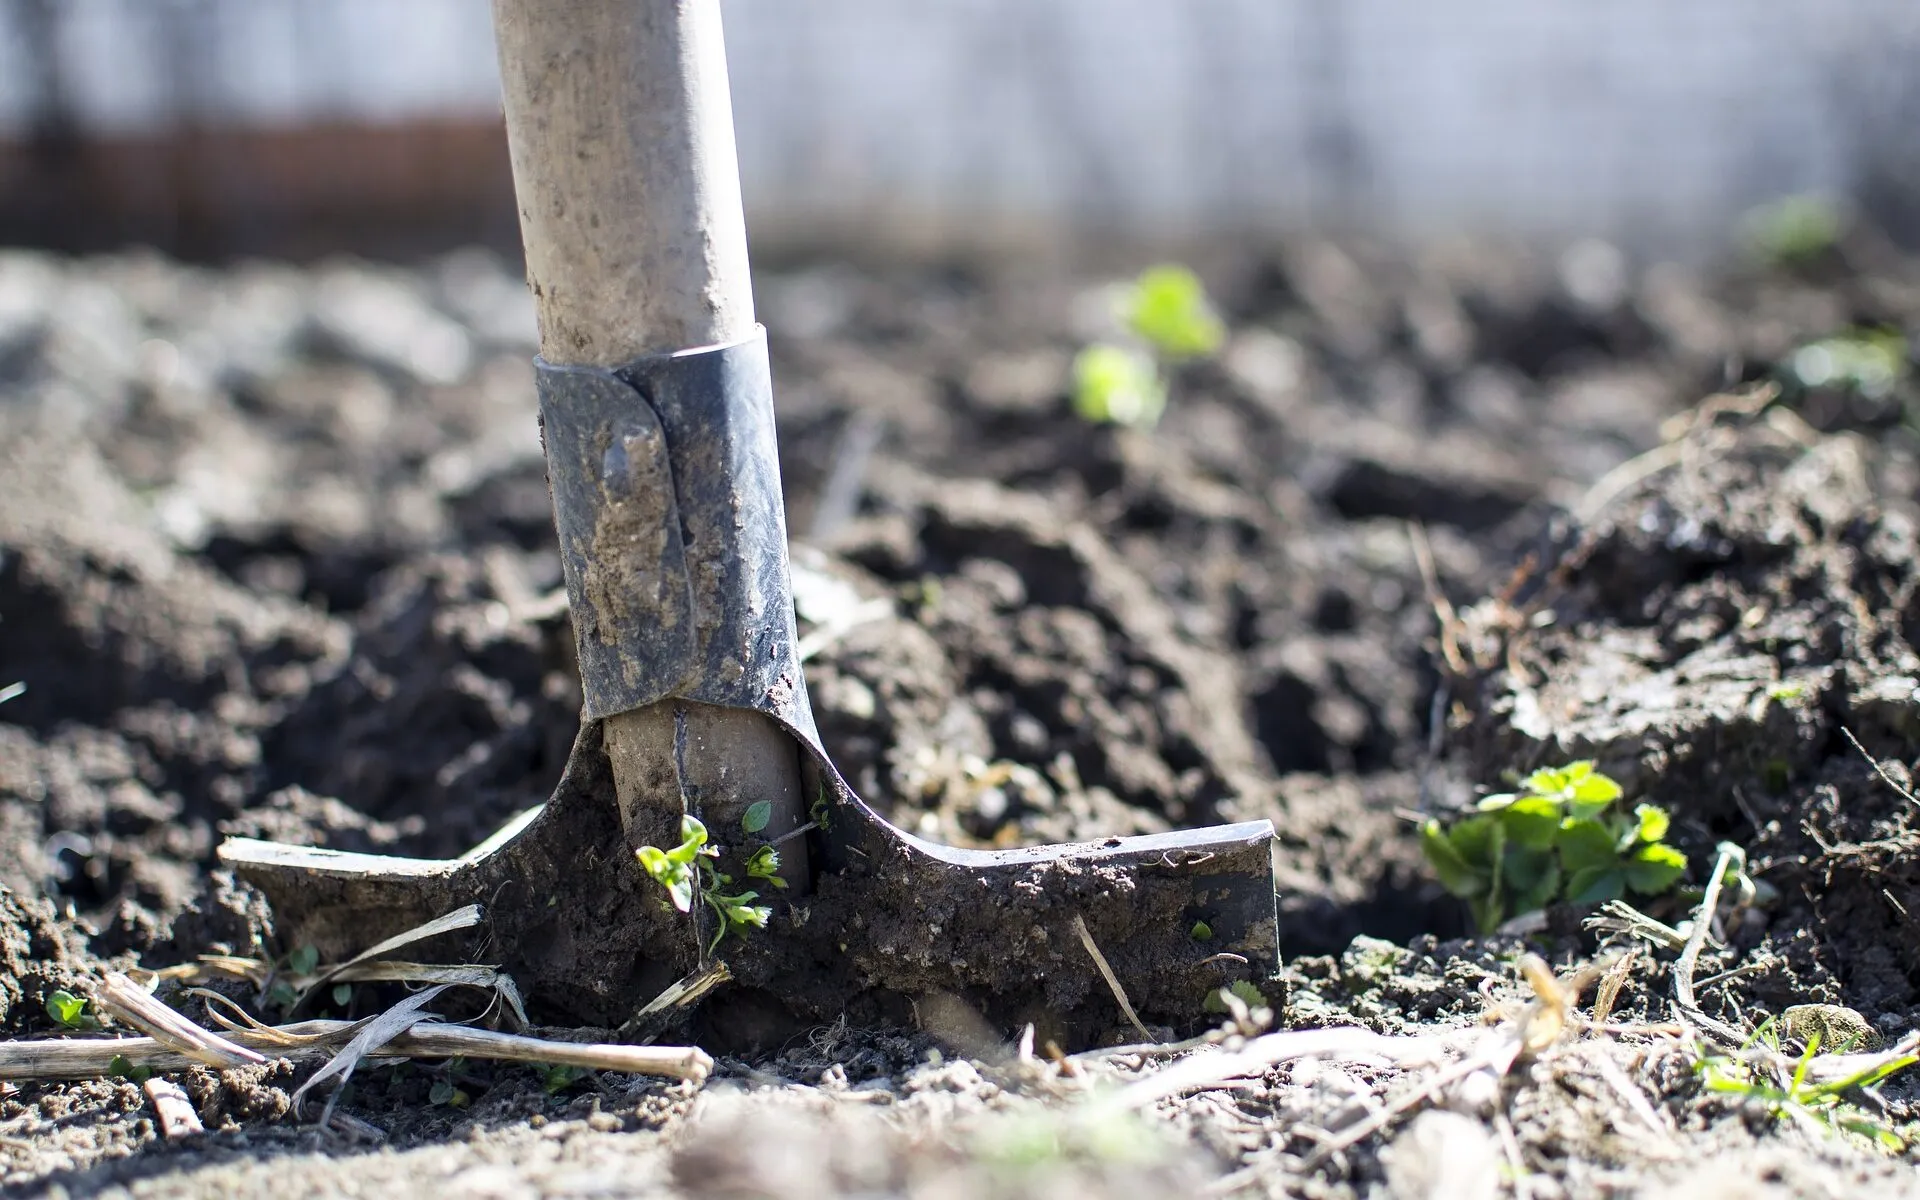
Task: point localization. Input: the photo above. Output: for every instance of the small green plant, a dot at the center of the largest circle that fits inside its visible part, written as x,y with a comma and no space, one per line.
70,1011
445,1093
1167,307
559,1077
1797,1097
758,814
1558,838
689,868
302,962
1120,385
1866,360
1794,230
1245,992
121,1067
1165,318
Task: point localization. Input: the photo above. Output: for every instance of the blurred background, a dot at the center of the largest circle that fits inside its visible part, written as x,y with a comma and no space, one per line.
295,127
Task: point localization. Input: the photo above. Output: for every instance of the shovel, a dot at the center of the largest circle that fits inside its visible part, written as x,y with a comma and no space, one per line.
657,418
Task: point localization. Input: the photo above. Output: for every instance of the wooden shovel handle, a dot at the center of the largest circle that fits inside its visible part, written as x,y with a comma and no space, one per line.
620,127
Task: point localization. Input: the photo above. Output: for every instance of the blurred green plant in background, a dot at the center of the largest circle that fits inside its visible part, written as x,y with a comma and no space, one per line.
1164,318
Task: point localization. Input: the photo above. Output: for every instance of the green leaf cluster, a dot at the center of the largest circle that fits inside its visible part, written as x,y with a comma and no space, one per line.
1560,837
689,869
1166,318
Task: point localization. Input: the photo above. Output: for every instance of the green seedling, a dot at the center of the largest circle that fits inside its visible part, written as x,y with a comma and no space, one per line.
764,864
1867,361
301,963
758,814
120,1067
1167,308
1795,230
1118,385
1245,992
1796,1097
1165,318
1558,838
446,1095
304,960
70,1011
688,868
559,1077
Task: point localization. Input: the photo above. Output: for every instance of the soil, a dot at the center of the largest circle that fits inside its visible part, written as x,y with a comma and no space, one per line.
276,560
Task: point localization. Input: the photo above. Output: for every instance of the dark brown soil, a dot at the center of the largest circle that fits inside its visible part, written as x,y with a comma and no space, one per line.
276,560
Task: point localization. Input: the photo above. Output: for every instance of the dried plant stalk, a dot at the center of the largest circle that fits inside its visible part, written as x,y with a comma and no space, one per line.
130,1004
93,1058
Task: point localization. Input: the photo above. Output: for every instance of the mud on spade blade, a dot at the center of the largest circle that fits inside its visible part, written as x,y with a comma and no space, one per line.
676,454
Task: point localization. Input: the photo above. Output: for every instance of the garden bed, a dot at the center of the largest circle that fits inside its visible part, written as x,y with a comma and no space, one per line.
276,560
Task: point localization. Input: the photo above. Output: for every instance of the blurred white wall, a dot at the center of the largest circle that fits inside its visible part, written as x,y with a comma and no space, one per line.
1655,122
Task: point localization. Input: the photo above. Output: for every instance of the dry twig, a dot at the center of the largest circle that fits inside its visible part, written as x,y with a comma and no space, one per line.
1686,1007
172,1110
459,918
1880,770
1106,973
93,1058
130,1004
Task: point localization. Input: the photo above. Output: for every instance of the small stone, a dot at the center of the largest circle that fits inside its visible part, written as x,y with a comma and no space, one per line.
1837,1027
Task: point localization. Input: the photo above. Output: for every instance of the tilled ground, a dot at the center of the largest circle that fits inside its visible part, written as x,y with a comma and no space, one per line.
276,559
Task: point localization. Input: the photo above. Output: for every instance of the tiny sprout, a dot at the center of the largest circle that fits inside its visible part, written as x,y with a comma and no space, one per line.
1794,230
1201,932
688,868
120,1067
69,1010
342,994
1167,308
444,1093
1240,990
1117,384
303,960
765,864
758,814
559,1077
